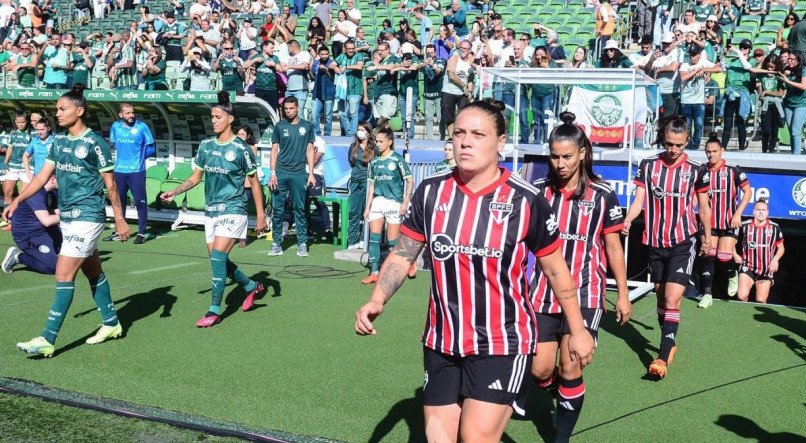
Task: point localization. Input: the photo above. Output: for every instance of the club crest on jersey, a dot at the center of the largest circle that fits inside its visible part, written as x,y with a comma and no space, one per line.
302,131
133,131
229,156
723,174
500,211
391,166
685,175
586,206
81,152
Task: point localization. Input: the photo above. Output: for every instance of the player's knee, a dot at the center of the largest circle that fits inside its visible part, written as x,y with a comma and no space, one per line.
570,370
542,371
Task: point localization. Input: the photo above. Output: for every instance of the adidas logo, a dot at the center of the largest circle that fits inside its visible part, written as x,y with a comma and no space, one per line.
496,386
566,405
669,335
681,270
706,273
442,208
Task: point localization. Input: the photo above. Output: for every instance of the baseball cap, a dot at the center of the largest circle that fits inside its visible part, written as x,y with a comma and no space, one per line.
668,37
695,49
745,44
711,18
758,52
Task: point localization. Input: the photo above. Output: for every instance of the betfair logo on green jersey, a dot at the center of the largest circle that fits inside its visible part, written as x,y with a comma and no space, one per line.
69,167
215,169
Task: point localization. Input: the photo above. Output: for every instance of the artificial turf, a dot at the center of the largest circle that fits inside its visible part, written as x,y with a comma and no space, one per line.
294,363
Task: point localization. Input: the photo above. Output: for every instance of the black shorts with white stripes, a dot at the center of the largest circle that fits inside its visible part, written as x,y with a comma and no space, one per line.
672,265
552,327
496,379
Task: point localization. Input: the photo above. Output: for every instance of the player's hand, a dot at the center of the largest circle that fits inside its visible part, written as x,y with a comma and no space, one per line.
311,180
736,221
365,316
9,211
705,247
738,259
260,223
581,347
122,229
30,176
168,196
626,229
404,208
273,182
774,265
366,214
623,310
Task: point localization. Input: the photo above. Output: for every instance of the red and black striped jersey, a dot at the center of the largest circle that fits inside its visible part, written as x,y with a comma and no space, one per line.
583,223
758,245
671,194
479,302
723,192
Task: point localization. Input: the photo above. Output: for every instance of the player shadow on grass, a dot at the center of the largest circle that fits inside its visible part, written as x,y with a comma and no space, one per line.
137,307
539,410
236,296
797,347
748,429
791,324
630,335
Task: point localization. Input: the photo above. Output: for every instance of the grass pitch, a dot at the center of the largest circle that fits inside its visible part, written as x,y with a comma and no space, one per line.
295,365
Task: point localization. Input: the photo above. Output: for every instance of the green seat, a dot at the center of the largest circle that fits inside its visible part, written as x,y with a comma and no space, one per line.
181,172
158,172
753,21
775,22
195,198
178,200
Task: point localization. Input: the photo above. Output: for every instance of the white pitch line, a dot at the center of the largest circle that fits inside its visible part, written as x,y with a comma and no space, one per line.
28,289
163,268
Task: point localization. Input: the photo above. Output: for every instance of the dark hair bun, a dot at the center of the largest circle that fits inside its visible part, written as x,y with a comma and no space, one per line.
223,98
567,118
78,89
498,105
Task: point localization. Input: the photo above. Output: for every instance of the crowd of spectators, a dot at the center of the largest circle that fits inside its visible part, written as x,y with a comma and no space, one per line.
421,67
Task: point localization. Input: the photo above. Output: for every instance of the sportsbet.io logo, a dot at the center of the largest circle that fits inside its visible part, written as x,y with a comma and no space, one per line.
442,248
607,109
799,192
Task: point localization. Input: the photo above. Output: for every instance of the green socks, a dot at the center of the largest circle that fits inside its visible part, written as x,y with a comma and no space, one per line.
234,273
374,250
218,263
58,310
103,299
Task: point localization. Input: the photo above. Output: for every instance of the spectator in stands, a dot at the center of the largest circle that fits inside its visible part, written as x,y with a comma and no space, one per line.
459,85
343,30
56,60
689,23
770,90
369,76
737,94
316,32
797,36
542,99
211,36
390,39
663,65
153,72
612,57
756,7
299,7
702,10
120,65
361,43
324,90
444,44
36,232
361,153
82,63
199,10
605,24
174,33
267,65
292,148
408,74
324,12
433,76
6,11
426,27
199,71
351,64
297,69
284,25
555,49
24,64
385,106
133,143
400,34
643,18
795,99
264,7
728,14
247,39
579,60
456,16
230,67
692,93
782,40
713,33
640,58
353,13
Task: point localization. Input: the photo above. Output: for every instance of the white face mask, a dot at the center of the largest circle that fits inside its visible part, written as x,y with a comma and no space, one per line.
361,135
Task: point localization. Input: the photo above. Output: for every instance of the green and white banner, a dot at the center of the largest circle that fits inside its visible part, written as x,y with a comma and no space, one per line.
603,111
116,96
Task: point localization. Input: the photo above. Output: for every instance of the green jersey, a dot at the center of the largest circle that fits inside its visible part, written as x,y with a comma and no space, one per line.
737,76
126,76
265,75
358,172
795,97
354,84
79,162
770,82
230,78
409,79
388,176
226,166
19,141
177,29
370,75
156,79
81,72
26,77
386,83
293,140
702,12
443,166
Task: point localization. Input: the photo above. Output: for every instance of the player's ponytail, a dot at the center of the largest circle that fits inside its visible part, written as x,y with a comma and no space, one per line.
76,95
674,124
571,133
224,104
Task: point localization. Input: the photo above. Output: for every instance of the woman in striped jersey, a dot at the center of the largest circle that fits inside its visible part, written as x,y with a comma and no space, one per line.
671,185
761,243
726,215
590,221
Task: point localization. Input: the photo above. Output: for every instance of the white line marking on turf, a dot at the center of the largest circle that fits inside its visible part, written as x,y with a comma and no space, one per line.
27,289
163,268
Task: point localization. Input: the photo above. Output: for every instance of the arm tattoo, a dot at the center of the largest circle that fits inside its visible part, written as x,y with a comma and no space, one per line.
187,184
566,293
407,248
114,198
392,278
